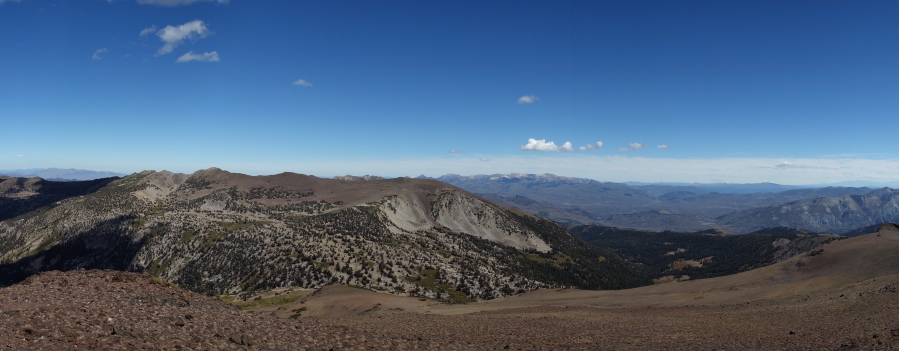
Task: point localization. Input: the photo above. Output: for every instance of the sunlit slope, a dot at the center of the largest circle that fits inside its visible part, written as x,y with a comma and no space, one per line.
218,232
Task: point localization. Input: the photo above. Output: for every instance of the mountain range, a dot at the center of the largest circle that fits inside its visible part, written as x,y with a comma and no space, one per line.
60,174
218,232
827,213
366,262
579,201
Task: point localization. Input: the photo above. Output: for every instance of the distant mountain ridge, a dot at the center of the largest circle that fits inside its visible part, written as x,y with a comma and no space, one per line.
579,201
60,174
517,177
728,188
835,214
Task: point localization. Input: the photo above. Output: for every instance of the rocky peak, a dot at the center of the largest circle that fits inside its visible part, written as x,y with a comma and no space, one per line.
365,178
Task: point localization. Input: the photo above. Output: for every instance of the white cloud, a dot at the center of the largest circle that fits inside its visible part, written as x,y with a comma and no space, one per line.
528,99
303,82
663,147
790,165
206,57
598,145
454,151
544,146
787,164
176,2
174,36
638,145
147,31
98,55
20,156
625,149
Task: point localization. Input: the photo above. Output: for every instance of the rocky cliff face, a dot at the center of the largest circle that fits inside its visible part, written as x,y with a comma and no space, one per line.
219,232
834,214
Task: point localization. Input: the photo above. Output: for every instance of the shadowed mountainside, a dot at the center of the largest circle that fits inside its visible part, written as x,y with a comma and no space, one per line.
704,254
21,195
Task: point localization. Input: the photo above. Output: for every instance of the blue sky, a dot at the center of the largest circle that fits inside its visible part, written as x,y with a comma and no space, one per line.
798,92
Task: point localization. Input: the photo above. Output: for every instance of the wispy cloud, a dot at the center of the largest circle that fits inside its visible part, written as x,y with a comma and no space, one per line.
790,165
98,55
304,83
625,149
454,151
598,145
638,146
172,36
20,156
528,99
205,57
663,147
2,1
175,2
147,31
544,146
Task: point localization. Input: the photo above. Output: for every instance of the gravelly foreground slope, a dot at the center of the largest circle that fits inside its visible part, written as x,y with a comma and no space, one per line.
842,298
124,311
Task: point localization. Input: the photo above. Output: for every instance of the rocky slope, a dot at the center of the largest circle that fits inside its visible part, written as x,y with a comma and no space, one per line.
21,195
217,232
835,214
112,310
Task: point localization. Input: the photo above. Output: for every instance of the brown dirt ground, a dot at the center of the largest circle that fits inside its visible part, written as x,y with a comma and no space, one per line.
844,297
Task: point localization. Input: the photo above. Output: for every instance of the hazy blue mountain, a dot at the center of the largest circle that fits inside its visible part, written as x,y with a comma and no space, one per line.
60,174
834,214
727,188
658,207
